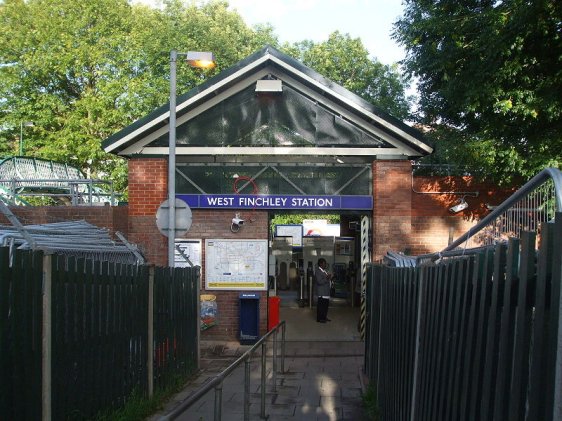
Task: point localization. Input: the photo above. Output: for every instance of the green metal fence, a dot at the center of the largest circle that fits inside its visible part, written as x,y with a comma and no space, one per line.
78,336
470,338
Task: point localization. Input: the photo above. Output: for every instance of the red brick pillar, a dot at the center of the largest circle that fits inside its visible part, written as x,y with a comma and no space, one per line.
148,188
392,212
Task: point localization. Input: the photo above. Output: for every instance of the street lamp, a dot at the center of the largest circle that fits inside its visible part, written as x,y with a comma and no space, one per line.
22,125
204,60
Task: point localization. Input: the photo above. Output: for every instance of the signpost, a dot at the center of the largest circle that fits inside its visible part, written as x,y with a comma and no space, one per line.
182,221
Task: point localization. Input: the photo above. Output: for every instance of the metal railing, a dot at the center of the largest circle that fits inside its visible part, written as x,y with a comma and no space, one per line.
216,382
472,338
75,191
533,204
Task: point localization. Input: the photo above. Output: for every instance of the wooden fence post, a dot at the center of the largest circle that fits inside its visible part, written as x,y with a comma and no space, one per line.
47,338
150,336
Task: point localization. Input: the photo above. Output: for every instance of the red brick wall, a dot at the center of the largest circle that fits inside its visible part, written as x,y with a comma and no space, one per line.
210,224
148,188
412,215
148,185
392,219
433,223
113,218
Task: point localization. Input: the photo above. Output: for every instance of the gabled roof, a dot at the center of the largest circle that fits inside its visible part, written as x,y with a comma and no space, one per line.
146,136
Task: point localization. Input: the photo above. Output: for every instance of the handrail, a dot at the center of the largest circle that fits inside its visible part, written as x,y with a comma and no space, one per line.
216,381
77,188
535,182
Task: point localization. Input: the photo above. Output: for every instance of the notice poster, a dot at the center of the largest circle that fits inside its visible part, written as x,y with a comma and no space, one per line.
236,264
187,253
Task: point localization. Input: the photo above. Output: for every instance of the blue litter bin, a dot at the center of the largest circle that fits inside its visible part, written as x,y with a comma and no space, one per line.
249,318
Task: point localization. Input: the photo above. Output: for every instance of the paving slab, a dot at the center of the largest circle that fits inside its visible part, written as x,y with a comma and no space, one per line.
322,381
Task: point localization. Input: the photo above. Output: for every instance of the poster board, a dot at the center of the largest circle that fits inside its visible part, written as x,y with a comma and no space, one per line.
290,230
236,264
190,253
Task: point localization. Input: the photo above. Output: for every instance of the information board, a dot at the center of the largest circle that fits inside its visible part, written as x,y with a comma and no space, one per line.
236,264
189,253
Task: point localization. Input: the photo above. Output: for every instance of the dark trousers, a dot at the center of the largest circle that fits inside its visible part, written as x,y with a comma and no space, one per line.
322,308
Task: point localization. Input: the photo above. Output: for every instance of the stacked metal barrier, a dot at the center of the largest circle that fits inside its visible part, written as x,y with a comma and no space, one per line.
76,238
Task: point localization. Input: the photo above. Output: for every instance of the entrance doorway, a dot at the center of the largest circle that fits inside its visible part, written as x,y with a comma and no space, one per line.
292,264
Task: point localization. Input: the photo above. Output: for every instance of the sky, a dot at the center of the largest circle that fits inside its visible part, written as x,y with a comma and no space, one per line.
296,20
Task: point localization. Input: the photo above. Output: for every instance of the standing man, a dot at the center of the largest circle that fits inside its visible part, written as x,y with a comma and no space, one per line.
323,281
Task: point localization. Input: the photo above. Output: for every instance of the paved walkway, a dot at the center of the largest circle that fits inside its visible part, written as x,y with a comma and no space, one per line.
322,381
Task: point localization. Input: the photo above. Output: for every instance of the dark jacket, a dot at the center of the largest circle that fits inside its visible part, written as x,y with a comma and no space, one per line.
322,282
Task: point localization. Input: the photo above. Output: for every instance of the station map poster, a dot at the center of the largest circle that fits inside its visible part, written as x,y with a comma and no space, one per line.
190,250
236,264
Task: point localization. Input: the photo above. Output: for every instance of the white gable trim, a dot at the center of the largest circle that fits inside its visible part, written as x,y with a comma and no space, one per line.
272,151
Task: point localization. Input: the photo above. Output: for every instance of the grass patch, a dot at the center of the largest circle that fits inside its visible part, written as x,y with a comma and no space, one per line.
370,403
139,407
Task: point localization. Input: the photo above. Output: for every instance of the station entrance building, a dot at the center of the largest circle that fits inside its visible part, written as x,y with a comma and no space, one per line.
269,136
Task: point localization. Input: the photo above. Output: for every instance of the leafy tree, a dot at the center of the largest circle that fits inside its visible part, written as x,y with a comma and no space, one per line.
83,70
490,79
346,61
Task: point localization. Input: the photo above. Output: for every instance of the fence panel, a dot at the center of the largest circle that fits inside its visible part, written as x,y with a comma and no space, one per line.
20,335
475,337
507,327
553,383
492,332
542,334
99,334
175,324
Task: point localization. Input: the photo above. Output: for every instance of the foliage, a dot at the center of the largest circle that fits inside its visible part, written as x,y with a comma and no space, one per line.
489,80
140,407
346,61
81,71
370,403
298,218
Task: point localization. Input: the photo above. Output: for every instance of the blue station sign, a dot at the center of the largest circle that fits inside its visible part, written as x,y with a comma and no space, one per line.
286,202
